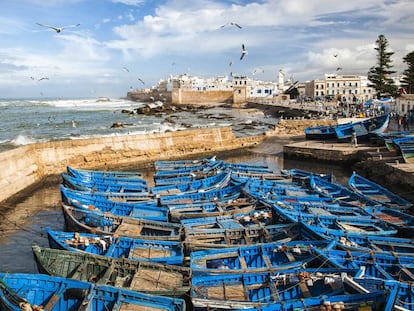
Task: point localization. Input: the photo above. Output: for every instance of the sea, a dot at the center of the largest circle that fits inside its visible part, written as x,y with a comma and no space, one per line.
27,121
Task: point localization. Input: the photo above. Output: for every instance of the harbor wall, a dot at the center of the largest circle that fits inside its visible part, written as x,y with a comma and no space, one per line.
20,168
180,96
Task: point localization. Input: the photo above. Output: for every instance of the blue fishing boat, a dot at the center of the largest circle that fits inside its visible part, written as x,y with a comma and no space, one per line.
165,165
321,132
80,219
227,232
143,209
99,174
217,181
384,265
104,186
255,258
243,177
254,290
399,294
248,168
223,194
201,169
167,252
376,192
302,177
138,275
238,206
405,145
20,291
355,240
339,193
363,128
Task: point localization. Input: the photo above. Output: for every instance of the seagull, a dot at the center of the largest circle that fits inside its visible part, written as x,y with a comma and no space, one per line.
125,68
139,79
230,63
335,55
32,78
58,29
233,24
44,78
244,52
339,68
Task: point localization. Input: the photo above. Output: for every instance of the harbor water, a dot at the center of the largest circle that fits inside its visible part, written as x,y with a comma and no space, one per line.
23,224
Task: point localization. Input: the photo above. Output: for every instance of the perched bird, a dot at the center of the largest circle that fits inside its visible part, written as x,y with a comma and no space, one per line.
244,52
232,24
58,29
142,81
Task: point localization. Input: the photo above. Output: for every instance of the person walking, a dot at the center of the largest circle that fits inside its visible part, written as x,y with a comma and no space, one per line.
404,122
354,140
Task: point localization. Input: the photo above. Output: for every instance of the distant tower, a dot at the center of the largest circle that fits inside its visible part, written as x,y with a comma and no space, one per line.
239,90
281,81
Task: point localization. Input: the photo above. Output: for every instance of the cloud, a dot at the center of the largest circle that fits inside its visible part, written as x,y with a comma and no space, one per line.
130,2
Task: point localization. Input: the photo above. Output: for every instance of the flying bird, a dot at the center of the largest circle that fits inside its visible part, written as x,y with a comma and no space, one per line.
43,78
339,68
58,29
244,52
233,24
231,63
125,68
335,55
139,79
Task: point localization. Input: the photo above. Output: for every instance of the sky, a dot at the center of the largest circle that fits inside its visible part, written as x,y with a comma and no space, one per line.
114,46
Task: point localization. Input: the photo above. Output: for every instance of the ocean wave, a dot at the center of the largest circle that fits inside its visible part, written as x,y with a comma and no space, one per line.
21,140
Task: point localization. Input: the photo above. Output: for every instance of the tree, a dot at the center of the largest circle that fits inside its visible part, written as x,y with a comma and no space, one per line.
407,82
379,75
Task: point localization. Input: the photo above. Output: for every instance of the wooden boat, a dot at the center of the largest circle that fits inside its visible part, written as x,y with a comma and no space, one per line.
247,168
103,223
339,193
254,290
242,177
405,145
302,177
200,169
173,180
363,128
399,294
373,300
323,214
103,186
166,252
165,165
321,132
229,234
143,209
355,240
376,192
255,258
384,265
402,221
209,183
137,275
211,209
99,174
223,194
44,292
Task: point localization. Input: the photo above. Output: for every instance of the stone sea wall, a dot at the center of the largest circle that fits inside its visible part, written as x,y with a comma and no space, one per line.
22,167
180,96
